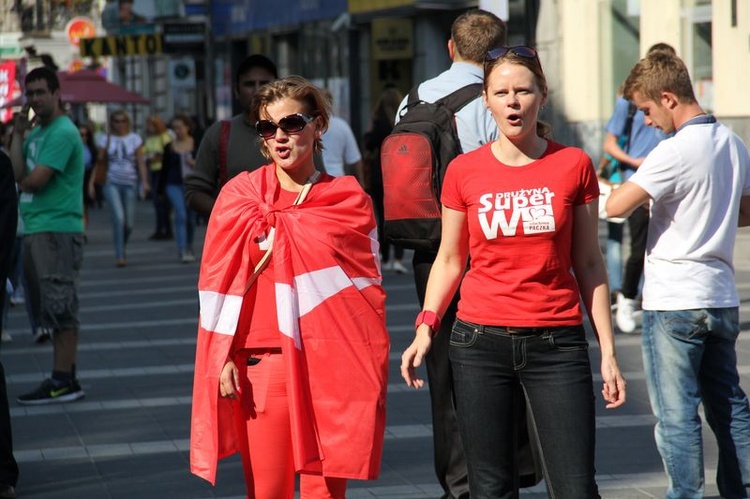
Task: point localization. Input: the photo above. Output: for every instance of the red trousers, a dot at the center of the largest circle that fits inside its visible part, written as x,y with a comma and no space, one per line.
263,418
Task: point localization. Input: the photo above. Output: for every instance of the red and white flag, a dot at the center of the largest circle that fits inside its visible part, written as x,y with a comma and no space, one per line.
331,316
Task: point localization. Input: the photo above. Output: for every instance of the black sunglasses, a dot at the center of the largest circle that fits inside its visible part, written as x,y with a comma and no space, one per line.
519,50
293,123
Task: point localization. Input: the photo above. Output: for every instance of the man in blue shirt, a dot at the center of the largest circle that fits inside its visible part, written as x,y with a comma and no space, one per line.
642,140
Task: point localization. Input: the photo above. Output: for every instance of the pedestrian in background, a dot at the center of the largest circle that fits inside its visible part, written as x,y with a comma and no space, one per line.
178,161
90,154
265,385
642,141
8,218
697,184
157,137
472,35
524,210
341,153
48,165
230,146
121,153
383,116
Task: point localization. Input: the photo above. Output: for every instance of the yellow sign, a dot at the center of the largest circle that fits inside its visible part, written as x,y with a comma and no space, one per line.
121,45
362,6
392,39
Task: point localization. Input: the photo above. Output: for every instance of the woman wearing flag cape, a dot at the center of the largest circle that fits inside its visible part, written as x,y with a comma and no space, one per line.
292,355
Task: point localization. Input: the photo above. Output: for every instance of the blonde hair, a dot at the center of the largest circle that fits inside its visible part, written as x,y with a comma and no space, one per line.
158,123
300,89
660,71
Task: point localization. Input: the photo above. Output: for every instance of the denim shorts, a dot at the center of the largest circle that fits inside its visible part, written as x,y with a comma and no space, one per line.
52,263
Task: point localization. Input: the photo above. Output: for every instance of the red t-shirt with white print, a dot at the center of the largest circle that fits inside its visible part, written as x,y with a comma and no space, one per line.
520,223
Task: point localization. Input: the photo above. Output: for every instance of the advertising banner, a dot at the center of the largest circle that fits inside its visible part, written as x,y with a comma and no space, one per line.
8,87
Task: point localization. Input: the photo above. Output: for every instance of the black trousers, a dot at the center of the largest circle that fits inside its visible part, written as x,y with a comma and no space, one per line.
8,465
638,225
450,464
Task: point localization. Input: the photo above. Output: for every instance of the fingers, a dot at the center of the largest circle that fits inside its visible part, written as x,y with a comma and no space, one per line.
614,391
410,361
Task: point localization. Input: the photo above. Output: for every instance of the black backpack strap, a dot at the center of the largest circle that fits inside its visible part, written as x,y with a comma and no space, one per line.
456,101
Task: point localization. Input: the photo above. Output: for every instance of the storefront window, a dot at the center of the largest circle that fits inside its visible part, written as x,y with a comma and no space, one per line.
698,56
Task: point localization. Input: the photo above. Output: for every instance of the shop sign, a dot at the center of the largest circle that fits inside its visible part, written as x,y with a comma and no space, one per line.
80,27
184,37
121,45
8,86
182,73
363,6
392,39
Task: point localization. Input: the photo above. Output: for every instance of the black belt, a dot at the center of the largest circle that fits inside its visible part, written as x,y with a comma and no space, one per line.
511,330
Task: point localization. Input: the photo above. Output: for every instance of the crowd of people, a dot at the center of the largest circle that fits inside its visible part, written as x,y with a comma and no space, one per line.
292,267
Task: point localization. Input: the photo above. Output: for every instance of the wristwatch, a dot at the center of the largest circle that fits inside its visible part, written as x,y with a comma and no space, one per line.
430,318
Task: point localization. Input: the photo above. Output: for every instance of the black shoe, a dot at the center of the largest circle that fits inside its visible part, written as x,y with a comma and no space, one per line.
7,491
42,335
50,393
156,236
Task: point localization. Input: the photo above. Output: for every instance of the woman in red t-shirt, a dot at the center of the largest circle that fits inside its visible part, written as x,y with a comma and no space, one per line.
524,209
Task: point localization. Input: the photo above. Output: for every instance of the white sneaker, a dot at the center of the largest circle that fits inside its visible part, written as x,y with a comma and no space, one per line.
386,265
187,257
399,268
6,338
625,315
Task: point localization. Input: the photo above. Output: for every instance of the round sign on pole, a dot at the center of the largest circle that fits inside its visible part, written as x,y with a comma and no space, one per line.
80,27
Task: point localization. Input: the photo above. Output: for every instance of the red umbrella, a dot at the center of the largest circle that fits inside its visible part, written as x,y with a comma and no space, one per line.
89,86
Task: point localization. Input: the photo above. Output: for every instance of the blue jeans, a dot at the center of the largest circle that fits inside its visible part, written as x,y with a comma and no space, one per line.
614,255
120,199
689,357
548,370
184,219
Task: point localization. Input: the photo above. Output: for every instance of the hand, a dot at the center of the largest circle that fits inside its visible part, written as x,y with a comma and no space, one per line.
145,189
414,355
229,381
613,389
92,190
21,122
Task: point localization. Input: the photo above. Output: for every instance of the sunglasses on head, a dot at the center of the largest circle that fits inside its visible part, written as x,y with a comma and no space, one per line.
519,50
293,123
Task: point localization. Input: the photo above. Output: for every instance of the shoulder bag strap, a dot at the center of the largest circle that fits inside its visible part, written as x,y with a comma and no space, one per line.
226,128
629,125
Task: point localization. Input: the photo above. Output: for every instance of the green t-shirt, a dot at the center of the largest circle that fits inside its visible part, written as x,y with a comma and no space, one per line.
58,206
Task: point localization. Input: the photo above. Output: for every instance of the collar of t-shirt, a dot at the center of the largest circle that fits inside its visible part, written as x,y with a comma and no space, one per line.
703,119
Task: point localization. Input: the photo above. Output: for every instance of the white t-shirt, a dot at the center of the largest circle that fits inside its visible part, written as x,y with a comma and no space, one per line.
695,180
123,168
339,147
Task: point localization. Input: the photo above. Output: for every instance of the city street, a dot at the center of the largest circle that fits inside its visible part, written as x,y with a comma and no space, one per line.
129,437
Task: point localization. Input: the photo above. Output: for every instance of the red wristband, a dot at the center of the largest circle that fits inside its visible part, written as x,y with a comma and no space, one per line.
430,318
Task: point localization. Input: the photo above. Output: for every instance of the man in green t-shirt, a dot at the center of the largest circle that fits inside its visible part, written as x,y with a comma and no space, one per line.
48,166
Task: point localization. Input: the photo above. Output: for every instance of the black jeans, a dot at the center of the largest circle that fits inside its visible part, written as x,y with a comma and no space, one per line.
553,370
450,464
638,225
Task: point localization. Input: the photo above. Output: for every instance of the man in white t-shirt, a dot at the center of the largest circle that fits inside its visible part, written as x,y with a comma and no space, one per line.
341,153
698,186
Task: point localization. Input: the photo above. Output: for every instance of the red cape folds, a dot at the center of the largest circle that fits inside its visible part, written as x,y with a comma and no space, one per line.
331,313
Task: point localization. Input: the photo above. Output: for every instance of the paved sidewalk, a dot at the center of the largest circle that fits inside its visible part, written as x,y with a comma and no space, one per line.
129,437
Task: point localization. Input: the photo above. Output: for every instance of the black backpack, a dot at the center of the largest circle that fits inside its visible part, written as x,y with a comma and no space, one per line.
414,158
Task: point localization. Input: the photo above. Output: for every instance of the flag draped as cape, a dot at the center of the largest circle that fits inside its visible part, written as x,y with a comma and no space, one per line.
331,316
